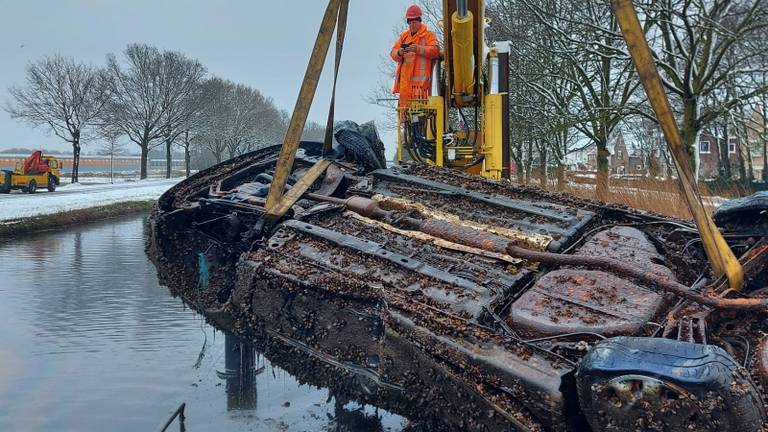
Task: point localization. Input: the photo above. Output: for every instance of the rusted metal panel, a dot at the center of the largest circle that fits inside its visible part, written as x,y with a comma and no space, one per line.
532,240
628,245
575,300
455,292
566,301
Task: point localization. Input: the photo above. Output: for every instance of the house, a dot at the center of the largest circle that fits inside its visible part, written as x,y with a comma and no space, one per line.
591,162
623,162
709,155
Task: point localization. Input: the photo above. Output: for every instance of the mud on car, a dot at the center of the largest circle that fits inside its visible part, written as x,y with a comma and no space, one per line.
469,304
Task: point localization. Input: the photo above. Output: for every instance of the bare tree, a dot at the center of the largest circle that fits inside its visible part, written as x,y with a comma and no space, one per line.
65,96
147,94
181,100
591,54
699,45
111,146
237,119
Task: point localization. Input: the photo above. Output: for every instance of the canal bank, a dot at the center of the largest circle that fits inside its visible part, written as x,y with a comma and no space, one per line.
93,342
21,214
20,227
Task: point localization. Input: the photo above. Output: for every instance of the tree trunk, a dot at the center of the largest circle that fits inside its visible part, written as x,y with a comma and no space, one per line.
76,156
725,157
742,168
543,165
764,173
168,157
690,132
187,159
601,183
520,173
528,162
187,156
144,157
560,176
218,152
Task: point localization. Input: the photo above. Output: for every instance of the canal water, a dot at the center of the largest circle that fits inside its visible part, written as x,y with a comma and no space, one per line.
90,342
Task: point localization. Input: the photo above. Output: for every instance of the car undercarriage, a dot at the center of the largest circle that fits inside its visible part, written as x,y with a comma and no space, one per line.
469,304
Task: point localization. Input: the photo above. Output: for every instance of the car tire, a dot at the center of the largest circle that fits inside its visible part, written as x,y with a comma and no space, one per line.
632,383
51,184
32,187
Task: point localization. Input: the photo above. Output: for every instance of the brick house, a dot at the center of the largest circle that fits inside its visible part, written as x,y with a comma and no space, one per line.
709,155
620,161
623,162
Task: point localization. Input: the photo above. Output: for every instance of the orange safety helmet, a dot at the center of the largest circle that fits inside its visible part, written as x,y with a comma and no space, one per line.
414,11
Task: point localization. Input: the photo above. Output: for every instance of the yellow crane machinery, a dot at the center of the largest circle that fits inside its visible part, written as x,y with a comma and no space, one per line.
469,85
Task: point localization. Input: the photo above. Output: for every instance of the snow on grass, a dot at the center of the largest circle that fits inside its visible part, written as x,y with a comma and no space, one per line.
76,197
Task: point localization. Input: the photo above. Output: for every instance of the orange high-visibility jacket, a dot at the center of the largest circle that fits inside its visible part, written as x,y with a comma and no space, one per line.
414,70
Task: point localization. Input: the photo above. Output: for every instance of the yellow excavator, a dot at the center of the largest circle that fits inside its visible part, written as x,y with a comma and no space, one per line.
470,80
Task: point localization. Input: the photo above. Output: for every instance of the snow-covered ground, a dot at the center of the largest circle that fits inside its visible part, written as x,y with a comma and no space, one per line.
80,196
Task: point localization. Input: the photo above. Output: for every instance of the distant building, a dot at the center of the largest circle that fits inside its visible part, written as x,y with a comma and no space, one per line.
98,164
709,155
621,161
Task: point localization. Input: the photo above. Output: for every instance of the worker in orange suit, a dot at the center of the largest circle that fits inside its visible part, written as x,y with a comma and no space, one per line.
414,52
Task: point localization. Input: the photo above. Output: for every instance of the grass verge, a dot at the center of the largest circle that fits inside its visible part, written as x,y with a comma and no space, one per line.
658,196
19,227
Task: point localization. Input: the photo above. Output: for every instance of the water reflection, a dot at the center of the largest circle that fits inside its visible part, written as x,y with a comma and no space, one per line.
92,343
240,375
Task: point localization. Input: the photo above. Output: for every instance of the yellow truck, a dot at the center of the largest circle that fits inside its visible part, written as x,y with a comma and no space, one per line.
36,171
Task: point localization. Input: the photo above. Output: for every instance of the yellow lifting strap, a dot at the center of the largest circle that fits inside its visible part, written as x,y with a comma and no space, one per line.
720,256
276,206
299,189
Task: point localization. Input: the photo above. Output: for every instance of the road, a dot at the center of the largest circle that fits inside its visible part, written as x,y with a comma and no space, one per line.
80,189
19,206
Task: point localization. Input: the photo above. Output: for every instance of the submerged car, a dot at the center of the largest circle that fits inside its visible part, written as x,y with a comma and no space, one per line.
468,304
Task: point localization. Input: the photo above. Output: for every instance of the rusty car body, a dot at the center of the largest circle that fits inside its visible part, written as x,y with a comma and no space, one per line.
400,287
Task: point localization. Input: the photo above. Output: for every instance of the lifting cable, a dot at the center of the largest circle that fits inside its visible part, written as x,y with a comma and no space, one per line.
336,11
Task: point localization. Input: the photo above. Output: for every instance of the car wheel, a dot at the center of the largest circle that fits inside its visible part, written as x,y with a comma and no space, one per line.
628,384
51,184
32,187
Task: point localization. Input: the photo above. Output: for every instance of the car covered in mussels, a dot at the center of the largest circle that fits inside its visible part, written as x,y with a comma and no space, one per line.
468,304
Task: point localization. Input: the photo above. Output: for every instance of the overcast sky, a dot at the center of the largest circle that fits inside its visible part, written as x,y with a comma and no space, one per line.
263,44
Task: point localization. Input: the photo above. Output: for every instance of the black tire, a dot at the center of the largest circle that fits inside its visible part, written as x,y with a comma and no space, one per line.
32,187
359,148
51,184
630,383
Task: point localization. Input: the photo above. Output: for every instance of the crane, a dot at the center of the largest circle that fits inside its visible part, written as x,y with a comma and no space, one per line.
470,78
